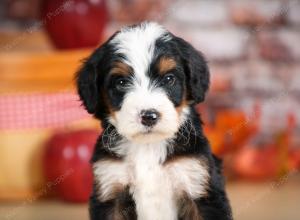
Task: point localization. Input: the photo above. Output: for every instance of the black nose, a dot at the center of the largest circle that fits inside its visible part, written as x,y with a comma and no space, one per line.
149,117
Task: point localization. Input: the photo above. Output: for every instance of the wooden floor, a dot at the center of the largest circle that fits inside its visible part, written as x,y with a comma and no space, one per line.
269,201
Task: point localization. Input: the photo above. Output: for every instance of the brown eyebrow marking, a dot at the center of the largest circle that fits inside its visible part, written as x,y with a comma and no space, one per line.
120,68
166,64
183,104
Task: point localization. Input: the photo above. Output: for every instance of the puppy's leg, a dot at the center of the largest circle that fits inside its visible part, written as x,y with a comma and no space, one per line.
205,197
100,210
188,210
214,207
215,204
204,209
121,208
125,206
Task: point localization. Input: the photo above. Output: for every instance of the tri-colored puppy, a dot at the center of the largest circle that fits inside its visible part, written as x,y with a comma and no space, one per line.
152,161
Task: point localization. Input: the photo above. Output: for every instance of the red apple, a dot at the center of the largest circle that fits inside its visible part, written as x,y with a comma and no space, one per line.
75,23
66,164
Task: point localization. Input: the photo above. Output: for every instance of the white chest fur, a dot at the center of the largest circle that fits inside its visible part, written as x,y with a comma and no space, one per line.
154,186
151,187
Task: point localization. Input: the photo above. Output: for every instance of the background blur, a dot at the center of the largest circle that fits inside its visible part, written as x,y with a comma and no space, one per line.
251,115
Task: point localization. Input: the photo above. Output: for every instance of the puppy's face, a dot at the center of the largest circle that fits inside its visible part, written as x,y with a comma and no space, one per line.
142,81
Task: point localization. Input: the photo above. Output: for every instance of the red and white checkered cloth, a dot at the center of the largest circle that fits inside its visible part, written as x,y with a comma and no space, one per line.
34,111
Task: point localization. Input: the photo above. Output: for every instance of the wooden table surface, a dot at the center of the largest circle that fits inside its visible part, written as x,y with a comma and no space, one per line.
250,201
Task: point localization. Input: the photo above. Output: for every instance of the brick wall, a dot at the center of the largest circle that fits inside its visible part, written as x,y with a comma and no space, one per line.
253,48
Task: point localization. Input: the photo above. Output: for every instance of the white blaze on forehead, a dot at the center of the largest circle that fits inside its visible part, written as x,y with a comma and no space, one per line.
137,44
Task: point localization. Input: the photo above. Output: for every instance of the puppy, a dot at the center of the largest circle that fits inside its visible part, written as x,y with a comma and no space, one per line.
152,161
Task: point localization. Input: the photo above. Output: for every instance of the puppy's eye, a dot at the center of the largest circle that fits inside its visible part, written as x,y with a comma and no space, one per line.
121,84
169,79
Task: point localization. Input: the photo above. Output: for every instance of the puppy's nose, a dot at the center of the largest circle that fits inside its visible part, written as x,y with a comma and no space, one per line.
149,117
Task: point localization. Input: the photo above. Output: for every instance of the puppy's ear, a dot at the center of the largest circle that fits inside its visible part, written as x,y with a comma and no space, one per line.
88,82
196,71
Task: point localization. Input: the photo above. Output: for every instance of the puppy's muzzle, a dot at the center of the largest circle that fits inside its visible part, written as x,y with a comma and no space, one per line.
149,117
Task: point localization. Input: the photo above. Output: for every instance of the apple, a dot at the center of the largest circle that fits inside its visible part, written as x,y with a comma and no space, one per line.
75,23
66,164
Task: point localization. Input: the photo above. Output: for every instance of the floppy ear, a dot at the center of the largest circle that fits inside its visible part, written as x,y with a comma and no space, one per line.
87,87
88,82
196,71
